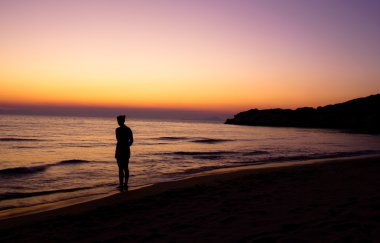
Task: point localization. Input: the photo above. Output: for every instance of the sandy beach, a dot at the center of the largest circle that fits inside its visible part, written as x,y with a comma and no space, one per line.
328,201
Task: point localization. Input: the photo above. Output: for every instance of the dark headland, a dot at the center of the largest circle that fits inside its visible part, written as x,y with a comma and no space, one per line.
362,114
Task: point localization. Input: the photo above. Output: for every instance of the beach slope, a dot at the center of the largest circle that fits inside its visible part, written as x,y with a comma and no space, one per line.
328,201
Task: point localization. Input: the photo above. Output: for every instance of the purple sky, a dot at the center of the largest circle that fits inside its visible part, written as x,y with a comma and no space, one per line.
222,56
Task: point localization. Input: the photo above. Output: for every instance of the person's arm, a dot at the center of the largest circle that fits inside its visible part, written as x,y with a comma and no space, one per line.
131,139
117,135
117,139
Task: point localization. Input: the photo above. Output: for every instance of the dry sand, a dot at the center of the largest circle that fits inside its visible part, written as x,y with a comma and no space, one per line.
330,201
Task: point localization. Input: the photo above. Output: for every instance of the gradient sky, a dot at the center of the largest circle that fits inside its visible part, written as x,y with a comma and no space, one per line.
199,54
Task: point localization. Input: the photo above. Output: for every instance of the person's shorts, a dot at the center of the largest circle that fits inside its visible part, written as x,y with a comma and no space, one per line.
122,162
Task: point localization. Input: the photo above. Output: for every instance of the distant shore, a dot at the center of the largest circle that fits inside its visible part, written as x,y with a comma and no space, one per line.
314,201
359,115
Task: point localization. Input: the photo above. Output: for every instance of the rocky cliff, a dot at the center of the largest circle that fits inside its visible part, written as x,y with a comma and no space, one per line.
362,114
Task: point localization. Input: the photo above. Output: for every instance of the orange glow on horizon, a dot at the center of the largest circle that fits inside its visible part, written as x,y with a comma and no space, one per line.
183,56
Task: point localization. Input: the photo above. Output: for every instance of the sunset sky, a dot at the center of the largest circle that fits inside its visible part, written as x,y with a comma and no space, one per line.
203,55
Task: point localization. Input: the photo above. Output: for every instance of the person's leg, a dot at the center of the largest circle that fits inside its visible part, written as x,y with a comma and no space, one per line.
126,173
121,172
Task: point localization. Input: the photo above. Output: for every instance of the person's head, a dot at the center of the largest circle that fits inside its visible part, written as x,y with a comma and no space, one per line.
121,120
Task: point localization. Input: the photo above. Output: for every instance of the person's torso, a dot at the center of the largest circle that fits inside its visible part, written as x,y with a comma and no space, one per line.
123,135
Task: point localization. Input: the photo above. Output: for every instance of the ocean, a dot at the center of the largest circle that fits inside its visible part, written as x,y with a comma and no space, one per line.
52,159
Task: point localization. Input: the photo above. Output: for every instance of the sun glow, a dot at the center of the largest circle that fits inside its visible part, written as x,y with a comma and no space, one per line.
183,55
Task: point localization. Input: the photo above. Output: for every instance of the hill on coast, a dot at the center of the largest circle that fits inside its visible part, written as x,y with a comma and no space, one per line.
362,114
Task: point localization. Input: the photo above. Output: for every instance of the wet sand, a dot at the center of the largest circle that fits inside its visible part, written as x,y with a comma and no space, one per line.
326,201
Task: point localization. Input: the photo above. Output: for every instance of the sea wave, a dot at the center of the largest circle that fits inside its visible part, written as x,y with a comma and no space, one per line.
257,152
195,139
84,145
17,195
211,140
212,155
208,157
218,155
25,147
192,153
273,159
203,169
71,161
20,140
151,144
171,138
314,156
23,170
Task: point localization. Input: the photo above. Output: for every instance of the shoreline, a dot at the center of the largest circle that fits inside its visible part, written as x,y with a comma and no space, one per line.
145,190
200,179
73,202
334,200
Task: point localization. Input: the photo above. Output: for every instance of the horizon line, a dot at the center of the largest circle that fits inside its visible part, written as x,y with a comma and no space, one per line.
110,111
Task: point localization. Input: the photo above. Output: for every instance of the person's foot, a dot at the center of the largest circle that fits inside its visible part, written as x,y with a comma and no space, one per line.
120,187
126,187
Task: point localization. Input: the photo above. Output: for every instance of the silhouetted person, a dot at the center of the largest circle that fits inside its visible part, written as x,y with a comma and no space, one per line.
124,137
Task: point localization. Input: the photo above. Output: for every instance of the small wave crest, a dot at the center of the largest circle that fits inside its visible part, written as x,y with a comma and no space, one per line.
257,152
204,169
23,170
316,156
72,161
84,145
211,140
212,155
17,195
203,153
24,147
274,159
195,140
171,138
208,155
19,140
